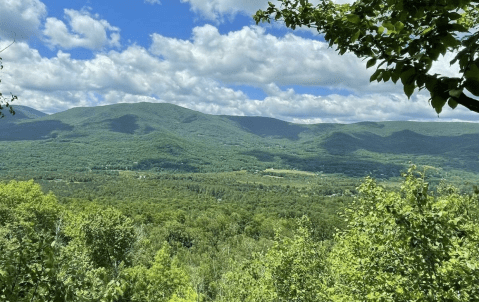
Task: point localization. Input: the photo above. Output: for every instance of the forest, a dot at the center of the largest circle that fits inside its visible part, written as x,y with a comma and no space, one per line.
238,236
153,202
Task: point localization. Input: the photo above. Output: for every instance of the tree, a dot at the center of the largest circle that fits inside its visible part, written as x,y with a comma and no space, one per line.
408,35
292,270
2,98
165,280
407,246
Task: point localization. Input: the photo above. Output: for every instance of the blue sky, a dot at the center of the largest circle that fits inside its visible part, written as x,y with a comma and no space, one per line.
204,55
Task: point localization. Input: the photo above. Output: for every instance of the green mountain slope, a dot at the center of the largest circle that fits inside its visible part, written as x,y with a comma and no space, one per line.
21,112
165,137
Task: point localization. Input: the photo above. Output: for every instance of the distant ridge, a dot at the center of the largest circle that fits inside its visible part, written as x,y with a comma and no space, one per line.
167,137
21,112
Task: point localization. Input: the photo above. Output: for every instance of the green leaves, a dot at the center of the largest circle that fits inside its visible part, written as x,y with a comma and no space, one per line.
375,75
455,92
398,26
355,36
407,74
472,73
371,62
416,35
409,89
353,18
472,85
407,245
437,103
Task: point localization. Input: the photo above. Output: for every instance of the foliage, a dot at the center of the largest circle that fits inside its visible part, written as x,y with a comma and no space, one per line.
2,98
408,35
108,237
165,281
82,145
407,246
293,269
28,228
237,237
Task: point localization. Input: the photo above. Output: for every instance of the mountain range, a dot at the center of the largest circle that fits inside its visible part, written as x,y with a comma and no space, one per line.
166,137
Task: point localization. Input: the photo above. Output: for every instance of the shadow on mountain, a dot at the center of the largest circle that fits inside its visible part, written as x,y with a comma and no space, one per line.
164,164
124,124
148,129
349,167
402,142
191,118
264,126
261,155
171,150
31,131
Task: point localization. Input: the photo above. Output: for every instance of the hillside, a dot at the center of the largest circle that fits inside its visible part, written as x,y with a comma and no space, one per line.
165,137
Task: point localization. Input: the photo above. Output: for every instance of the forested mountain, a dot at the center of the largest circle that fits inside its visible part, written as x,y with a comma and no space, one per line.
116,210
165,137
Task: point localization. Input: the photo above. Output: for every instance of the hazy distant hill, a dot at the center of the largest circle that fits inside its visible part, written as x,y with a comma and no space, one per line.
21,112
147,136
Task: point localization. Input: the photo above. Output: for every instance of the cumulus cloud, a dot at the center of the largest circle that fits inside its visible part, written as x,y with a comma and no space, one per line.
217,9
85,31
252,57
153,1
20,19
196,73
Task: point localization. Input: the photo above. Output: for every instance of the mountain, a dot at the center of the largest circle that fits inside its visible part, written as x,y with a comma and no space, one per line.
166,137
21,112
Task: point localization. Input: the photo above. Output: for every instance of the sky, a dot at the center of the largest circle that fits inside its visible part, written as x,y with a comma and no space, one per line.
205,55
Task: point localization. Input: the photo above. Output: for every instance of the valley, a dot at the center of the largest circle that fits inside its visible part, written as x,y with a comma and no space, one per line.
164,138
213,208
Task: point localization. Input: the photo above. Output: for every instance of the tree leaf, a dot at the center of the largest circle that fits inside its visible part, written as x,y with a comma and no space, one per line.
450,41
395,76
452,103
409,89
431,83
375,75
438,102
388,25
371,62
458,27
399,26
455,92
472,73
355,36
386,75
353,18
407,75
472,85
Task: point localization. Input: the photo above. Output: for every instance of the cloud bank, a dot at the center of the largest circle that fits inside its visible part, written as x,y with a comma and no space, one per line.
199,73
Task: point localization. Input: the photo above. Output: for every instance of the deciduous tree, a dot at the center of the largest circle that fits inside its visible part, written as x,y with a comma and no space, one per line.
4,102
407,246
408,35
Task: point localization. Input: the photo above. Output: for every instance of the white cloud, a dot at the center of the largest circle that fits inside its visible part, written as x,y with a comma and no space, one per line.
217,9
251,57
195,74
153,1
86,31
20,19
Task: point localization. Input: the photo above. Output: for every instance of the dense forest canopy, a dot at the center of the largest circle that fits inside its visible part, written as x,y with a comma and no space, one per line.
222,238
152,202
